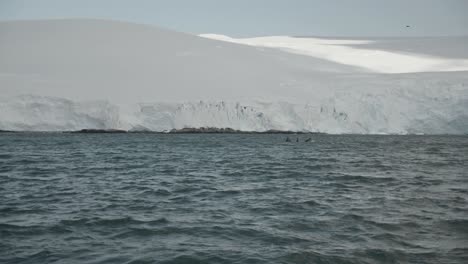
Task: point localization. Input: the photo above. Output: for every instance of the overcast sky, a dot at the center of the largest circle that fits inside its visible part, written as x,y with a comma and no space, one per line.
263,17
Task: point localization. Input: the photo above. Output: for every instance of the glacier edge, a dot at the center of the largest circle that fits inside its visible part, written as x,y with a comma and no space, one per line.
340,113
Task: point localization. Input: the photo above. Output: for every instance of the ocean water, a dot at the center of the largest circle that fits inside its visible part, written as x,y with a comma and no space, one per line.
152,198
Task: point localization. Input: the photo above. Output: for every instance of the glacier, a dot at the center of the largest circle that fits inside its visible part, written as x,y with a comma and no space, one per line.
72,74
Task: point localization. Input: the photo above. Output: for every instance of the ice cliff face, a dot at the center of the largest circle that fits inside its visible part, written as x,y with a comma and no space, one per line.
37,113
77,74
387,111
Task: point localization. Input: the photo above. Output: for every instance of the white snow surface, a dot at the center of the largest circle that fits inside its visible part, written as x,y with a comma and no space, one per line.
60,75
338,50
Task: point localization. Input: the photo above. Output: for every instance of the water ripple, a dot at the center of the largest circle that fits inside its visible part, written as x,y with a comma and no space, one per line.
149,198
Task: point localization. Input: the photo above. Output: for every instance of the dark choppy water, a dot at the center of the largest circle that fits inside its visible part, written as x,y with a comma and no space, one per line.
147,198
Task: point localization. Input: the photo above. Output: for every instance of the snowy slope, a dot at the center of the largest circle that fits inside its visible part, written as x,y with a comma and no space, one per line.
348,52
122,62
75,74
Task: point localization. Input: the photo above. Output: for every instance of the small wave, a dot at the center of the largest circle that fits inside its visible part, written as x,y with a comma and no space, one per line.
353,218
10,230
114,222
459,190
392,239
385,226
458,225
376,255
196,258
318,167
124,221
433,150
314,257
459,251
137,232
311,203
158,192
362,179
42,257
6,156
224,193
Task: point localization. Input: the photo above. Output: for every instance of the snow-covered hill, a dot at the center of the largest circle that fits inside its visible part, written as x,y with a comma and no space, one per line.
75,74
362,53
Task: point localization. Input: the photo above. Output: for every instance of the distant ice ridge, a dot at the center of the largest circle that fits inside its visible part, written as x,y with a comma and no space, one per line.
389,111
348,52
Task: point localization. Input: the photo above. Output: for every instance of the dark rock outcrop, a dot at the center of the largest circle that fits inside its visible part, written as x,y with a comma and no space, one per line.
213,130
100,131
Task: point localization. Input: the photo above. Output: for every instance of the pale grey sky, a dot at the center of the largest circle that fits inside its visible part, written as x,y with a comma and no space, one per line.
263,17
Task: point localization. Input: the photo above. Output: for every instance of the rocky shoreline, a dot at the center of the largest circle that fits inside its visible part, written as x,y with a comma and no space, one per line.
7,131
201,130
99,131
